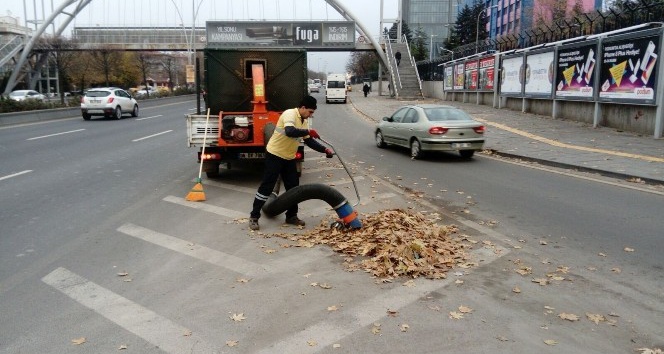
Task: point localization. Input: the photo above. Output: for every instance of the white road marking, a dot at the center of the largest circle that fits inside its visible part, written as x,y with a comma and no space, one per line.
158,330
229,186
203,253
233,214
56,134
152,136
144,118
15,174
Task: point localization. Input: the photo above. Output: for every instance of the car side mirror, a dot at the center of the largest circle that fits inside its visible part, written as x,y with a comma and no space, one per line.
387,119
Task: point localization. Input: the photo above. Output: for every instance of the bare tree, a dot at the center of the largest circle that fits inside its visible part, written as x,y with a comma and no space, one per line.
169,64
107,61
63,54
144,64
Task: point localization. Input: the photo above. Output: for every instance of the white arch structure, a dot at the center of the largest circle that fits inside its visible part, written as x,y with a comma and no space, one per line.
11,83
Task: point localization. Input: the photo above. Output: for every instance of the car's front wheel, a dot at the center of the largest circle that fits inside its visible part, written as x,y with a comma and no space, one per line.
466,154
416,149
118,113
134,112
380,142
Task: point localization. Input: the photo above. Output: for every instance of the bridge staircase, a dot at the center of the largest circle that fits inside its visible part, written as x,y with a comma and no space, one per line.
405,79
9,49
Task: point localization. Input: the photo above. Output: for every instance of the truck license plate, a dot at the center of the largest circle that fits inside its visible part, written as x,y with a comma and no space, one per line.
460,145
252,155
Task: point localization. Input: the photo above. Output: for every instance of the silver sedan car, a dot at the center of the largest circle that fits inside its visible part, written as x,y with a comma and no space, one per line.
429,127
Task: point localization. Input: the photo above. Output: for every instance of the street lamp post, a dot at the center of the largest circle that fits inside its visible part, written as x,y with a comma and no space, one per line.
447,50
431,47
477,30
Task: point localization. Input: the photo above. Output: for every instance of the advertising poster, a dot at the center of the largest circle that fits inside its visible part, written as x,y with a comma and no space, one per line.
511,75
471,75
575,69
280,34
538,74
629,69
458,76
449,78
487,68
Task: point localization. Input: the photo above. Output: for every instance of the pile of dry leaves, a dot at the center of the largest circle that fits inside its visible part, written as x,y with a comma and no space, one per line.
392,243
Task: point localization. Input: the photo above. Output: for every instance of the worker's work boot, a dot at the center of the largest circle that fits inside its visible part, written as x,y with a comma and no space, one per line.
253,224
294,220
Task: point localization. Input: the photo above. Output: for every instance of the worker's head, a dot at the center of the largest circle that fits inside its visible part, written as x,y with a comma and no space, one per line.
307,107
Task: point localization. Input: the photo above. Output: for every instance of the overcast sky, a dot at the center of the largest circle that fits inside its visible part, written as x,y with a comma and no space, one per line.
156,13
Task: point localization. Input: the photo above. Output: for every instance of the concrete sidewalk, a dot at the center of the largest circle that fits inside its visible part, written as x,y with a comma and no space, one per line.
548,141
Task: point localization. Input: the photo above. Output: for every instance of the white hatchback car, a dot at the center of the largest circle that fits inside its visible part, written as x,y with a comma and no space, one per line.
22,95
109,102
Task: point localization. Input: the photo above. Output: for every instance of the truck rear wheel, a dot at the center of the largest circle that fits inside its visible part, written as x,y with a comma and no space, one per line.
211,169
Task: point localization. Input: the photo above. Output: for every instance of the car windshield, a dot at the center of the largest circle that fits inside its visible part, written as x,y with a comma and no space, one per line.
97,93
336,84
438,114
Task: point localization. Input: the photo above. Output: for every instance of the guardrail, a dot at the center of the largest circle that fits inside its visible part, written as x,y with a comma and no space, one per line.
44,115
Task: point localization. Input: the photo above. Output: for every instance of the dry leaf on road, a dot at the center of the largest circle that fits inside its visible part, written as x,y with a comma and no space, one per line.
237,317
550,342
78,341
231,343
595,317
569,316
456,315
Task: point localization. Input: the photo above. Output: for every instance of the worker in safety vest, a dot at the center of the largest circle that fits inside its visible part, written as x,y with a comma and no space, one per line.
280,153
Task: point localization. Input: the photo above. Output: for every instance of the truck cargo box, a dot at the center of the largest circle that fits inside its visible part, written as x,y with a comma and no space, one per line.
229,84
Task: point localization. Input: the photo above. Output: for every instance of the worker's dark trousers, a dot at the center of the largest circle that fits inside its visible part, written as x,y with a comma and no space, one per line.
275,166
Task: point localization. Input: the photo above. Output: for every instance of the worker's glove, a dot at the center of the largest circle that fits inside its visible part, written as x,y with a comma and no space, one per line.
329,153
314,134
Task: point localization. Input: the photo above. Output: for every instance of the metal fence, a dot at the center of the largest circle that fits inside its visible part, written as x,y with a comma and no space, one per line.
642,11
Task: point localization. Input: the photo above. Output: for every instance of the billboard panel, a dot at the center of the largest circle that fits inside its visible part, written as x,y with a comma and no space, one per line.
538,74
458,76
628,69
448,82
511,75
487,69
280,34
471,74
575,69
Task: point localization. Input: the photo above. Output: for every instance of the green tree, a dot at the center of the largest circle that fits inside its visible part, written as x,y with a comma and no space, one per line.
418,46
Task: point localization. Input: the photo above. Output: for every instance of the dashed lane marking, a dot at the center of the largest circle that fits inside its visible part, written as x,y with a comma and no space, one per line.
56,134
144,118
152,136
190,249
160,331
15,174
233,214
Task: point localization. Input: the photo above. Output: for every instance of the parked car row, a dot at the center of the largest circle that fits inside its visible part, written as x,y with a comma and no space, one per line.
25,95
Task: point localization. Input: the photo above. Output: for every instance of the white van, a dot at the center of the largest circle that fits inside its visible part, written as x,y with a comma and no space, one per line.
335,90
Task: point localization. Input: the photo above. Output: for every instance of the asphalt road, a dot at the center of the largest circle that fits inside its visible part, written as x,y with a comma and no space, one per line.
96,242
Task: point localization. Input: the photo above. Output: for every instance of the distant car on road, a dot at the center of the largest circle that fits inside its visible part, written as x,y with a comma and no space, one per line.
430,127
23,95
314,88
109,102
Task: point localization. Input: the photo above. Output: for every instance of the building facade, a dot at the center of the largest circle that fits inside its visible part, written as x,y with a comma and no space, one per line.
435,17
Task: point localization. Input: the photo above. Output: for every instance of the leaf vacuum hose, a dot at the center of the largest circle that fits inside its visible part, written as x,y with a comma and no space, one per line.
298,194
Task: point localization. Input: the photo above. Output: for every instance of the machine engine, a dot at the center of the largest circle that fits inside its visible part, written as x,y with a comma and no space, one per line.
237,129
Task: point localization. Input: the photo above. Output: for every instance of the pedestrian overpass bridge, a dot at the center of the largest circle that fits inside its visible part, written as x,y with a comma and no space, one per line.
18,47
